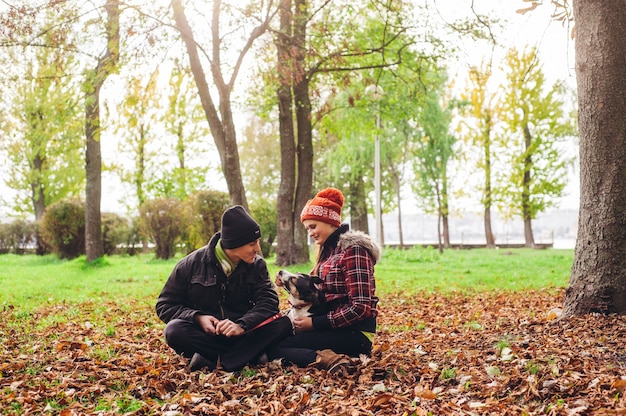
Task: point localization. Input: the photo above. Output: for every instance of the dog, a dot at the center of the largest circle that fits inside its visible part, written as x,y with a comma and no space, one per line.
305,296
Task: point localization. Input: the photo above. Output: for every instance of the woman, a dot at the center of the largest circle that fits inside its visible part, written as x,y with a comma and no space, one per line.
345,263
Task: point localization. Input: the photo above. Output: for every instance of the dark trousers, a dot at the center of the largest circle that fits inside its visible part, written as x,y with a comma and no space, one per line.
301,349
234,353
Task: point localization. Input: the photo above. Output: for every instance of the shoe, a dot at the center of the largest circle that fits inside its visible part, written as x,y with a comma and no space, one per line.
335,364
198,361
262,359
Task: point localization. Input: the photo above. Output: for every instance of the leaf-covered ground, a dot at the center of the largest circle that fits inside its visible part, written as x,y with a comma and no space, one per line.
504,353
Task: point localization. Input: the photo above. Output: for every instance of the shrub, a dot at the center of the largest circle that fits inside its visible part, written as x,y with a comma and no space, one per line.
115,231
63,228
136,237
205,209
162,219
264,212
5,238
22,235
17,236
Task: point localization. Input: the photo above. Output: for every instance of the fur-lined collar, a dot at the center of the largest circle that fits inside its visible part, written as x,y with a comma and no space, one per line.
350,238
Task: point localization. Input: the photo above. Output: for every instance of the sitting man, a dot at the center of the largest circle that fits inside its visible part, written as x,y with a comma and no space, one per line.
219,304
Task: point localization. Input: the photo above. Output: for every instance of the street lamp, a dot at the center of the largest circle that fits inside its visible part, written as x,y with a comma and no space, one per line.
376,92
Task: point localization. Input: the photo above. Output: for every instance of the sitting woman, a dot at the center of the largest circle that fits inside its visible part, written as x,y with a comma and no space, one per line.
345,263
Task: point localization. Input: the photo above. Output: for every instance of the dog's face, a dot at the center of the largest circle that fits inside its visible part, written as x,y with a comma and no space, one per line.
302,288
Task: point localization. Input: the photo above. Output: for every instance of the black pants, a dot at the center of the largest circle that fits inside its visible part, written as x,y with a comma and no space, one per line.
301,349
234,353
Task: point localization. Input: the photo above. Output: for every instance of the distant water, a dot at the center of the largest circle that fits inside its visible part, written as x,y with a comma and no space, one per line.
564,243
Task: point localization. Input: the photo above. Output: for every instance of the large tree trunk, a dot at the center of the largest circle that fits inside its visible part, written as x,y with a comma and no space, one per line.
598,279
295,142
94,246
285,204
304,151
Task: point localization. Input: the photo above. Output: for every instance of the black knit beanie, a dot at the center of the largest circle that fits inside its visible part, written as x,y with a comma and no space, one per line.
238,228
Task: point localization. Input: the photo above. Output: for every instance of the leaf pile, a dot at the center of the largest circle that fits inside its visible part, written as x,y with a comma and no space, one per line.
461,353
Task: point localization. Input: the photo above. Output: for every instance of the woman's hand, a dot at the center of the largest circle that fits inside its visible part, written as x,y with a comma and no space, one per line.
278,280
303,324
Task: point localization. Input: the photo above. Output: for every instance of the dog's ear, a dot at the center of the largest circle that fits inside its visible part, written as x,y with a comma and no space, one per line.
317,281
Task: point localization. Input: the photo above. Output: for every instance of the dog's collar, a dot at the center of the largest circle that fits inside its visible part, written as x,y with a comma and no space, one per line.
301,305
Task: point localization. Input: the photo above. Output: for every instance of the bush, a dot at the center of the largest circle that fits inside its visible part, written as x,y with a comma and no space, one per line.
115,231
63,228
17,236
136,237
5,238
22,235
163,220
204,217
264,212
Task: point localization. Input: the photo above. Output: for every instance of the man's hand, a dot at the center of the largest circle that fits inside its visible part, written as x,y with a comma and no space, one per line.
228,328
208,323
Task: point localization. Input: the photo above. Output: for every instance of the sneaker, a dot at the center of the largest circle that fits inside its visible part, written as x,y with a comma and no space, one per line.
198,361
262,359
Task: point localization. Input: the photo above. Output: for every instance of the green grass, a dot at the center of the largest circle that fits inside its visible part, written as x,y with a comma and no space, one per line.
475,269
27,282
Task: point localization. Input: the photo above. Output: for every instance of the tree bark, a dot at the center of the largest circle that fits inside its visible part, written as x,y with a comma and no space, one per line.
94,246
490,240
296,142
598,278
38,194
445,210
526,192
285,208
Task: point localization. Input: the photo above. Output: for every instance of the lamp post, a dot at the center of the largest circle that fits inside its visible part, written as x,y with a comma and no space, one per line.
376,92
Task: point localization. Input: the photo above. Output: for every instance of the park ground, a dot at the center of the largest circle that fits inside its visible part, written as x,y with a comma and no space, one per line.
457,353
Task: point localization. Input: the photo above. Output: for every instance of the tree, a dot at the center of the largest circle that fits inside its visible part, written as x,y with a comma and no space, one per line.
306,52
536,122
42,138
262,171
482,110
136,128
221,121
295,129
161,128
106,65
598,278
183,120
432,154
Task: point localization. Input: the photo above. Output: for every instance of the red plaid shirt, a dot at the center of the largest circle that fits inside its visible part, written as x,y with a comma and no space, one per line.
349,285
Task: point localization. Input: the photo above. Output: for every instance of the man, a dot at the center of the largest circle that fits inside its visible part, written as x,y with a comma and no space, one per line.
219,304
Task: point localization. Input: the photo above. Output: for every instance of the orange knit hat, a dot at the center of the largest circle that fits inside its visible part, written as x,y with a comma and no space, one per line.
325,207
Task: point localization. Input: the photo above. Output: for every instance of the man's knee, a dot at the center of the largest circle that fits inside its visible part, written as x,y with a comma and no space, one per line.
175,331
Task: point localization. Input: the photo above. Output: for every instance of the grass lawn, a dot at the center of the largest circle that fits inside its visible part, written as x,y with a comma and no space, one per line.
28,282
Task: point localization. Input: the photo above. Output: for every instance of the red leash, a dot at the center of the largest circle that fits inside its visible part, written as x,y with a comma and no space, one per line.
267,321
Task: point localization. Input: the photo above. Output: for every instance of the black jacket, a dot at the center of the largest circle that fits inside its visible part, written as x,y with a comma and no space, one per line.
198,285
